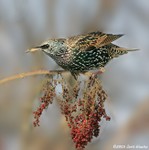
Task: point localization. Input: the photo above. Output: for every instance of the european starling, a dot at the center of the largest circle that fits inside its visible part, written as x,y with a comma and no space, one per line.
79,54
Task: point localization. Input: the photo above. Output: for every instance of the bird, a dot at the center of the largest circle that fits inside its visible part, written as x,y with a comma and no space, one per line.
82,53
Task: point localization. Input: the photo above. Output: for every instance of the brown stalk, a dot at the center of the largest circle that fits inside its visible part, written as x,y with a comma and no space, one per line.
28,74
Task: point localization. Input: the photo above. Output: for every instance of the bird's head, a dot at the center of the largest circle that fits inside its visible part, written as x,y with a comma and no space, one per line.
49,47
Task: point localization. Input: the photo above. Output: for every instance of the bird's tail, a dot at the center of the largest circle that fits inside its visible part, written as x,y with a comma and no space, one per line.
115,51
132,49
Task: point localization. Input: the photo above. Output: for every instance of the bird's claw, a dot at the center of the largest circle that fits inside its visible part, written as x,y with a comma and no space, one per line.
100,71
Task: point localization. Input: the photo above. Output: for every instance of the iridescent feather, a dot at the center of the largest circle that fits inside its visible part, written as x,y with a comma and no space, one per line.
79,54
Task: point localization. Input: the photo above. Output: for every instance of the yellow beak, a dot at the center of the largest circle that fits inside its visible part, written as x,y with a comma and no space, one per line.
33,49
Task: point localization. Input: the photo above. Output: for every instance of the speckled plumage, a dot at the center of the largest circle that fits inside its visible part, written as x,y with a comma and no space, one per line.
82,53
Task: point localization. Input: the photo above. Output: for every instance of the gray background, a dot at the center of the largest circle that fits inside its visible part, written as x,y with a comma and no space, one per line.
26,23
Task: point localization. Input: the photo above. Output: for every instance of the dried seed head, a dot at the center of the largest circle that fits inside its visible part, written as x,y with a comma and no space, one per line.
83,112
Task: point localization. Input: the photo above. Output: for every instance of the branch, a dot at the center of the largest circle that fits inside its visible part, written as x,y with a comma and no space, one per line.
28,74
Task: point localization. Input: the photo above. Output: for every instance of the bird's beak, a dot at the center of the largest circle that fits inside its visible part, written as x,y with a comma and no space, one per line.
34,49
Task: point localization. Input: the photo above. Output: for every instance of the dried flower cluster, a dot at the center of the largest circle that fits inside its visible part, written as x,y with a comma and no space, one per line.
83,107
46,99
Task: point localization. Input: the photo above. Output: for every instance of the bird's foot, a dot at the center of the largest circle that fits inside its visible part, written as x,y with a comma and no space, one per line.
75,75
100,71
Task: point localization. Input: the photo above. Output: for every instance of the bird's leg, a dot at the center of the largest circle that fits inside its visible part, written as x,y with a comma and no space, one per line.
100,71
75,75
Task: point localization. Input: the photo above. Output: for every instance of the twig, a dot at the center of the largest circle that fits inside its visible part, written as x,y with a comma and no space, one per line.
32,73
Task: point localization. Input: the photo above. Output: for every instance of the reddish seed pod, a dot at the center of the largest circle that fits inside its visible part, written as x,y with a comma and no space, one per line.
82,114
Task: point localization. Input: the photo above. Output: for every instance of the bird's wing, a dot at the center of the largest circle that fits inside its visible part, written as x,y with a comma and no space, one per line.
92,39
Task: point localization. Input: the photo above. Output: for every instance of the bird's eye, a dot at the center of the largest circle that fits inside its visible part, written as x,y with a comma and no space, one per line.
45,46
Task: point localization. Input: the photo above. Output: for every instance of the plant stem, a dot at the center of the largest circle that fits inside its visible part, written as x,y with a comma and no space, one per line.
28,74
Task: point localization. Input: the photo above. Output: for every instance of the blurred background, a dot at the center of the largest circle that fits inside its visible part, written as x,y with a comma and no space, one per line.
26,23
